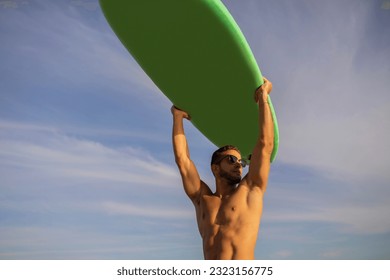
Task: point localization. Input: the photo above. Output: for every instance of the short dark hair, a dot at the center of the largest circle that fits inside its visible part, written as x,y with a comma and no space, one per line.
218,153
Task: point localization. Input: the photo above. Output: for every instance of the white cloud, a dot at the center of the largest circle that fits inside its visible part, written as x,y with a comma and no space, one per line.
37,242
12,4
333,115
385,5
357,209
352,218
88,5
48,154
63,47
330,85
352,148
50,177
127,209
332,253
85,132
331,98
282,254
8,4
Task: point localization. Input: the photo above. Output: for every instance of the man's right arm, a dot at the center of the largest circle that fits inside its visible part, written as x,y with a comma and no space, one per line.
261,157
191,180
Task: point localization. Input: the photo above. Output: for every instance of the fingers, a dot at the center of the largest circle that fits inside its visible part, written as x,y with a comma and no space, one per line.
256,95
260,95
176,111
266,86
262,92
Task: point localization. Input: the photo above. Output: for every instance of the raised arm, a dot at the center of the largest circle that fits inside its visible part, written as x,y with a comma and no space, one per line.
189,174
261,157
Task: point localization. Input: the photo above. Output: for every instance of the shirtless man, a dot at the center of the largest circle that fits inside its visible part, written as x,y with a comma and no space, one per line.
228,219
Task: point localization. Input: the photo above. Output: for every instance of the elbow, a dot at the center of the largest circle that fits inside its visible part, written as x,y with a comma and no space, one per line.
180,159
266,145
182,164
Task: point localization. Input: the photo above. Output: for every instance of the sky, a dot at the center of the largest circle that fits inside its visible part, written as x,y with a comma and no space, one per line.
86,163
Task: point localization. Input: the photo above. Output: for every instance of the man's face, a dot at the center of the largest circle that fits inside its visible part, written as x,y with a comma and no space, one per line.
229,170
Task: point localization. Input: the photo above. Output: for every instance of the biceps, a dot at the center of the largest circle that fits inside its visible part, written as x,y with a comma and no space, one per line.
190,178
259,169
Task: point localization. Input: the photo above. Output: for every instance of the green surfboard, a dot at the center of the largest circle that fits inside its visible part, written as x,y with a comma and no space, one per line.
196,54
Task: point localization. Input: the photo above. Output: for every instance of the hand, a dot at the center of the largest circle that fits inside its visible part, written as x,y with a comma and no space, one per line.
262,92
176,112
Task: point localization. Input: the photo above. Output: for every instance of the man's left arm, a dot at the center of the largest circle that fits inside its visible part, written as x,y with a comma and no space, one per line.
261,157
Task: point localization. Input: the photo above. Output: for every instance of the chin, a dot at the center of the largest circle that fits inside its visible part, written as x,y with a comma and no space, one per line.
235,179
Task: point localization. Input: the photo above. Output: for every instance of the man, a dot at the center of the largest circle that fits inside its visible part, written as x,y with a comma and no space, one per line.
228,219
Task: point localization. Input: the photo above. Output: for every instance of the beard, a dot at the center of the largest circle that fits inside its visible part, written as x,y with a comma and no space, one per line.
233,179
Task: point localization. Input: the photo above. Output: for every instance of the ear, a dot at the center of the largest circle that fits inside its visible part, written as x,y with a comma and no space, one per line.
215,169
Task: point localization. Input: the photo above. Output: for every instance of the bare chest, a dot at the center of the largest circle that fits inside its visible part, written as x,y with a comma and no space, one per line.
230,211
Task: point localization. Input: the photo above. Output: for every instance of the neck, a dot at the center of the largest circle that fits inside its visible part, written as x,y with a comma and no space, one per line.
223,188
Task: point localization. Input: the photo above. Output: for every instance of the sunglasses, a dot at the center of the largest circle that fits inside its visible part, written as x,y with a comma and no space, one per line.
233,160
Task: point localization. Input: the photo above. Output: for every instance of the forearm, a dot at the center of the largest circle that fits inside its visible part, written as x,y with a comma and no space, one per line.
179,140
266,126
188,172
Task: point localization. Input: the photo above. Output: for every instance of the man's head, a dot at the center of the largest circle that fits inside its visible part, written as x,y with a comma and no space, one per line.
226,163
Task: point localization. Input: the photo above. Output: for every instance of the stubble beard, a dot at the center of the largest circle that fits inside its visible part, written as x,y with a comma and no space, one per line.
231,178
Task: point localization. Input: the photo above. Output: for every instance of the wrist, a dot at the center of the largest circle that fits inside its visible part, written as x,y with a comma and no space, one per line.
177,116
260,103
262,97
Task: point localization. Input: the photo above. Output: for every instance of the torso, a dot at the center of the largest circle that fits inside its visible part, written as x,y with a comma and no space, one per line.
229,225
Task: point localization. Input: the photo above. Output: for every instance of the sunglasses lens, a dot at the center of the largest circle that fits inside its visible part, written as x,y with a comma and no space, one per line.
233,160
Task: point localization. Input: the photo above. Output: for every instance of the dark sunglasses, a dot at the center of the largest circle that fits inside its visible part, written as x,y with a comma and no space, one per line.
233,160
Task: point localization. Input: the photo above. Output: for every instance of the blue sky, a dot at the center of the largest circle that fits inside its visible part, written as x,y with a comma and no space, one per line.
86,164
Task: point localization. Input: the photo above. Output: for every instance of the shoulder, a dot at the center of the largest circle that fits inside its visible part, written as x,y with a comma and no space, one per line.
250,186
252,194
203,190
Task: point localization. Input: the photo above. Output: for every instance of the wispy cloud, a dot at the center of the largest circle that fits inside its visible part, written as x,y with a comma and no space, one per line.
332,254
13,4
282,254
330,85
36,242
358,216
88,5
72,184
150,212
385,5
351,148
47,176
46,38
49,153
